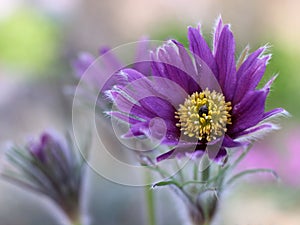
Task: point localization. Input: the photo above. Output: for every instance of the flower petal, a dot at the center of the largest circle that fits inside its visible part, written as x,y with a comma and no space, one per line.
142,103
274,113
142,57
168,155
185,60
140,86
158,107
193,151
167,63
82,63
217,33
229,143
248,112
126,105
155,130
225,60
257,131
110,59
130,75
199,47
141,117
250,73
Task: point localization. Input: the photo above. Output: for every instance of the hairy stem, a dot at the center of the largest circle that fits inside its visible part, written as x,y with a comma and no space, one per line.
150,200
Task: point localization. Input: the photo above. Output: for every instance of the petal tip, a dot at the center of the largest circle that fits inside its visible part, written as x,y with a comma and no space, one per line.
103,50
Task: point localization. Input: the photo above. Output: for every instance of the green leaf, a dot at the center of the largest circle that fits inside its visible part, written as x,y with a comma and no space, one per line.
164,183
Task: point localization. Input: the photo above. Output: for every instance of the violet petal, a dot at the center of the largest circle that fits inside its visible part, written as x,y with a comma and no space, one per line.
199,47
225,59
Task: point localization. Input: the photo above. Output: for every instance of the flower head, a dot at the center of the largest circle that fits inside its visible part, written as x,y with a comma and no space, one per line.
49,166
205,97
100,73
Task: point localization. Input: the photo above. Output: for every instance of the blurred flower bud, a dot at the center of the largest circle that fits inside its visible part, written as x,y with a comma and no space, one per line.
207,201
51,166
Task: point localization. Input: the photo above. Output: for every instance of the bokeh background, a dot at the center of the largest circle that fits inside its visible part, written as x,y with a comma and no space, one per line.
40,38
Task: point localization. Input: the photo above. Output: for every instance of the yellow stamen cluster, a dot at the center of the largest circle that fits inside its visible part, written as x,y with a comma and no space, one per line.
204,115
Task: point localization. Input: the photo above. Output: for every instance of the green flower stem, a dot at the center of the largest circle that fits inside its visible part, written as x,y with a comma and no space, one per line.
181,177
150,200
205,168
205,174
196,171
206,223
73,214
76,221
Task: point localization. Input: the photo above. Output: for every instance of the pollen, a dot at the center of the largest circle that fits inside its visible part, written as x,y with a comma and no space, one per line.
204,115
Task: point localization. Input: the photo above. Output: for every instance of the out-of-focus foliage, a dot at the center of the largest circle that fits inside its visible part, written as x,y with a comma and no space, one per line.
170,31
28,41
286,89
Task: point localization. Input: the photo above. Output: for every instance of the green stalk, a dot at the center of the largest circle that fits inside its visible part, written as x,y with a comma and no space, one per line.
206,223
205,168
150,200
75,220
196,171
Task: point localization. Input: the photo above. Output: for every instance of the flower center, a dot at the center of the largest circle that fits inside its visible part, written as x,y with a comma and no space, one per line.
204,115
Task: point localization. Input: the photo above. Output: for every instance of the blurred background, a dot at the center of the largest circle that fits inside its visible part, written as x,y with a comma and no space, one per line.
40,38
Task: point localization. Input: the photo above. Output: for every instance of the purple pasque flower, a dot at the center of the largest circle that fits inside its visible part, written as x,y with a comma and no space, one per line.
111,60
206,99
101,74
51,166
